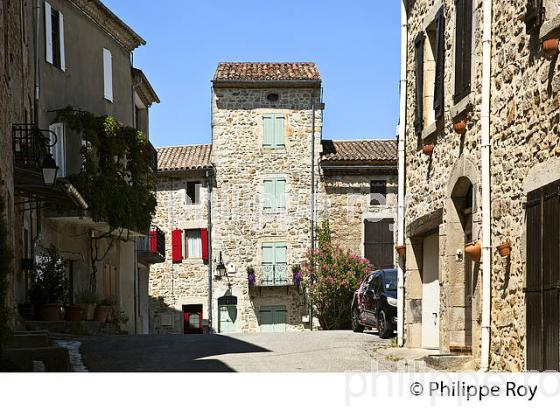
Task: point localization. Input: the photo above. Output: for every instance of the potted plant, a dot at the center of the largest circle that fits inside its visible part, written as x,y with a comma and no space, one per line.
474,250
401,250
74,313
251,277
48,288
87,300
504,249
118,317
460,127
428,149
551,46
103,310
297,274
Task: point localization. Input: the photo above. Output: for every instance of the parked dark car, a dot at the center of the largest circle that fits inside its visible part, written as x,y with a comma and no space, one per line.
375,303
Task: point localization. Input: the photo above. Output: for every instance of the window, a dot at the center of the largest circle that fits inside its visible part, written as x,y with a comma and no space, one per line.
429,67
274,263
273,131
58,151
193,192
54,37
108,75
378,192
274,194
273,97
193,244
463,49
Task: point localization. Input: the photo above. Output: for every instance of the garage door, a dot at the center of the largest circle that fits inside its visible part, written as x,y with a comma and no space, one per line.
379,243
273,319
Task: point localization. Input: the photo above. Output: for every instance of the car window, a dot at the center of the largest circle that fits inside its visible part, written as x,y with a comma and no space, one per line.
390,279
376,284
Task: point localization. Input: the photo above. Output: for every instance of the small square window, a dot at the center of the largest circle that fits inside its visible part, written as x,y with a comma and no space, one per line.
378,192
193,192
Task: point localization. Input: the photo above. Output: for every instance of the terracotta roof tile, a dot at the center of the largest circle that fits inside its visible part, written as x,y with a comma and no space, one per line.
267,72
360,150
183,158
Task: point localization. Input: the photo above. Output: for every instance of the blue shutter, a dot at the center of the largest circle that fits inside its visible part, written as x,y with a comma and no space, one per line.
268,140
269,195
268,263
280,192
279,131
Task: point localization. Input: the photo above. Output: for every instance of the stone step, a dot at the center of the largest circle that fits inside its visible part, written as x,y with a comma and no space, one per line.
450,362
56,359
27,340
73,328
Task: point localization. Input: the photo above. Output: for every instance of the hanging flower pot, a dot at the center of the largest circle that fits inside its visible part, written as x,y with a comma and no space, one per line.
550,46
401,250
474,250
428,149
460,127
504,249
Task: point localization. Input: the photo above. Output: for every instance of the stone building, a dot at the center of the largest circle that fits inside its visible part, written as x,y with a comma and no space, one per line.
82,60
265,118
444,123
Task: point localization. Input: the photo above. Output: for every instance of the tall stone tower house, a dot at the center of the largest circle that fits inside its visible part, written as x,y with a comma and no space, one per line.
266,139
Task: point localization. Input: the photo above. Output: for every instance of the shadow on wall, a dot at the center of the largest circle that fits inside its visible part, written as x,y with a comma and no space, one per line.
162,353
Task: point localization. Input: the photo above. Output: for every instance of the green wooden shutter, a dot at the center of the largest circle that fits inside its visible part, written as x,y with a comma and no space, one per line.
269,194
268,263
280,191
267,320
279,131
280,318
269,127
280,266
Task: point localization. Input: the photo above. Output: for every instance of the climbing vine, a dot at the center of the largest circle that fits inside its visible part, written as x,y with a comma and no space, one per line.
5,267
114,178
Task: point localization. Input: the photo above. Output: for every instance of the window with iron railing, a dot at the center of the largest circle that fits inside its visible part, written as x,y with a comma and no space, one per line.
274,265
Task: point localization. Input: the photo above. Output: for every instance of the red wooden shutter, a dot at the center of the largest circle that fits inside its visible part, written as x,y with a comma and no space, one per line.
153,241
177,245
204,240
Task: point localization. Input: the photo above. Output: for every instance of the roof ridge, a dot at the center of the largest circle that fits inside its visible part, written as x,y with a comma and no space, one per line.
184,146
363,140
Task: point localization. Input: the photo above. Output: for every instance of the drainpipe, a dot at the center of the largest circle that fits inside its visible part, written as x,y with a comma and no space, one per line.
312,211
486,220
37,61
402,169
209,176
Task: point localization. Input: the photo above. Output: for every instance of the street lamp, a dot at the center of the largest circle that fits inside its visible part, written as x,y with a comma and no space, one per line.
220,267
49,170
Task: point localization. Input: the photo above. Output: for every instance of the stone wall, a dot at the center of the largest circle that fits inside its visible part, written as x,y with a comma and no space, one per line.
524,128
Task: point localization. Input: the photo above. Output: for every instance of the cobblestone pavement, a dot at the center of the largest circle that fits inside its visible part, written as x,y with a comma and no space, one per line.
321,351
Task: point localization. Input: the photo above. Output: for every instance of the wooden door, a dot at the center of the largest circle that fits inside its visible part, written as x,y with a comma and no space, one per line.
379,243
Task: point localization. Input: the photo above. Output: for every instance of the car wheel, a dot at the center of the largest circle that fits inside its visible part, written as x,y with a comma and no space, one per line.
383,327
356,326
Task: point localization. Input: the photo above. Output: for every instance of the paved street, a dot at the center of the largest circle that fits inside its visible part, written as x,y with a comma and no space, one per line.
327,351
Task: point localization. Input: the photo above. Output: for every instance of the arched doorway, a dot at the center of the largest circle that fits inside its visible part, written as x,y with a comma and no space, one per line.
227,314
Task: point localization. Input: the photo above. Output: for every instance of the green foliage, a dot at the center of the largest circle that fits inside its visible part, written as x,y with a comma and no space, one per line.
49,284
5,269
115,166
332,275
87,297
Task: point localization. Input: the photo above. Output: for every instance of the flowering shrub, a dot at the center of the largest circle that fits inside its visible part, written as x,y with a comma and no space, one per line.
332,275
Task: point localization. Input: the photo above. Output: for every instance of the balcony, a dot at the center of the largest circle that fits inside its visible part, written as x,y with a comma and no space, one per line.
151,247
30,145
274,275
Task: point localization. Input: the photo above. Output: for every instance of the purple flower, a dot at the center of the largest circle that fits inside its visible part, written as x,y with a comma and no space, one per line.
252,279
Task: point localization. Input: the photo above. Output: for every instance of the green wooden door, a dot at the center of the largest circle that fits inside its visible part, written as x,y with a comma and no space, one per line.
273,319
228,319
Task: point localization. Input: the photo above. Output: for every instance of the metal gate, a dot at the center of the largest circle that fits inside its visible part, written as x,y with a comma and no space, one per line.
543,279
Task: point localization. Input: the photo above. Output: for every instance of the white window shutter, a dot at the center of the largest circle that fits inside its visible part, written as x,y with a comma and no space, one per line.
48,33
108,74
61,30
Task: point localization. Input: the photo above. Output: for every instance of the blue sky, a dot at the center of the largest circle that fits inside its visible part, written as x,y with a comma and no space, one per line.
355,44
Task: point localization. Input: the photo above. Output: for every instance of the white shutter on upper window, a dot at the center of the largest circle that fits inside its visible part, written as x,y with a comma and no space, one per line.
108,74
48,33
58,151
61,39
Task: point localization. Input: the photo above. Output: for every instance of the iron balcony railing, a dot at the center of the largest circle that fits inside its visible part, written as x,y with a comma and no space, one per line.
30,145
151,247
275,274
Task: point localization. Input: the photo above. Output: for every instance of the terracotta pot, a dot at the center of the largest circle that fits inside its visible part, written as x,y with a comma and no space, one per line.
51,312
504,249
102,313
550,46
401,250
474,250
460,127
428,149
74,313
89,310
